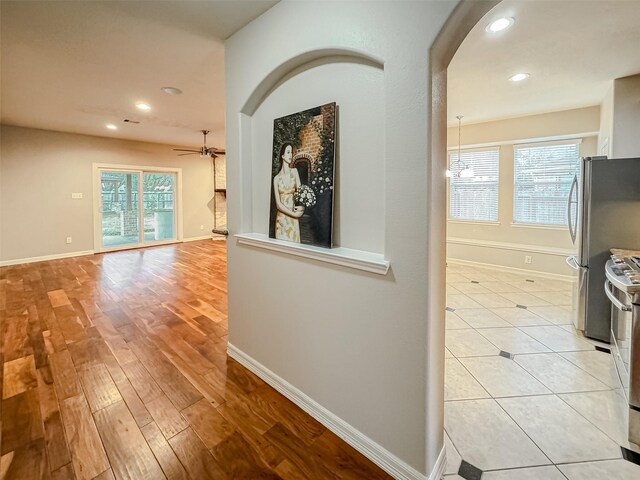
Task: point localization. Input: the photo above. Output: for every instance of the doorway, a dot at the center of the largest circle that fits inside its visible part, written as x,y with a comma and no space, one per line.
518,375
135,207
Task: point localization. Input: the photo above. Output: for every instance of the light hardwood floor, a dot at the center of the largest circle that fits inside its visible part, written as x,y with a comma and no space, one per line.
115,366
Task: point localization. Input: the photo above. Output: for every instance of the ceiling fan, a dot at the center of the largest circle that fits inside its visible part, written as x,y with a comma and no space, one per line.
204,151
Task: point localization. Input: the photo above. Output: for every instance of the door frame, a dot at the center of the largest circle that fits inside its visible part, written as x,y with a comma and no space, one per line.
142,169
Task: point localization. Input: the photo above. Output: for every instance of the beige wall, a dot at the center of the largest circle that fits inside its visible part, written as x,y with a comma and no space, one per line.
503,243
362,346
625,141
606,124
40,170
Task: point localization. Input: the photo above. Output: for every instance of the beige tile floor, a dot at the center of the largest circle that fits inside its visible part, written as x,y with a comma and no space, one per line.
550,407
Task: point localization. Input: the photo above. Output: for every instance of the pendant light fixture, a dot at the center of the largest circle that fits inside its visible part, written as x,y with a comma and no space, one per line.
459,169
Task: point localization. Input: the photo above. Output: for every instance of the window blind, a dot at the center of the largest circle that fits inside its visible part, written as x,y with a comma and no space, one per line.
474,197
542,179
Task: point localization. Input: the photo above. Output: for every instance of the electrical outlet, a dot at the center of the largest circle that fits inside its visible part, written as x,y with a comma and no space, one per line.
76,195
527,259
69,239
201,227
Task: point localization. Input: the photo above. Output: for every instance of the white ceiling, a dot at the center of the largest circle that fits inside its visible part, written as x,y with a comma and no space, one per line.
76,66
572,49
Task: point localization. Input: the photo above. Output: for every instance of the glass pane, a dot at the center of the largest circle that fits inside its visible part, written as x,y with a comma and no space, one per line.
120,218
158,191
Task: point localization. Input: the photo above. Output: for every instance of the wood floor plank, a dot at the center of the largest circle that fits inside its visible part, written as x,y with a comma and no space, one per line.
55,440
288,471
288,414
197,460
345,460
140,413
166,416
21,420
26,462
237,457
127,449
167,376
87,453
64,473
15,332
291,448
198,381
85,352
106,475
58,298
209,425
99,388
167,458
66,380
253,425
69,323
18,376
142,382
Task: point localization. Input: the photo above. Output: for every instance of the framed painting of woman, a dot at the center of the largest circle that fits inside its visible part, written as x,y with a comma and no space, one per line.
302,176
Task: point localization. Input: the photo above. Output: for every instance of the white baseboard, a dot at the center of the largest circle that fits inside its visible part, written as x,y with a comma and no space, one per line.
501,268
386,460
195,239
441,464
44,258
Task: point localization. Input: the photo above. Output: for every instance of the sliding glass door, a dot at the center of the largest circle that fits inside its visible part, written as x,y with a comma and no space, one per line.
137,208
159,212
120,209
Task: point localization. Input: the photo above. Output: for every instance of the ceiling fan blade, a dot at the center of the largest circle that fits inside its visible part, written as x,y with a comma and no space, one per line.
183,154
185,150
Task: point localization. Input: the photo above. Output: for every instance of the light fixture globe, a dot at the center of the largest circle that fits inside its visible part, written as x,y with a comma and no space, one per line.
499,25
145,107
518,77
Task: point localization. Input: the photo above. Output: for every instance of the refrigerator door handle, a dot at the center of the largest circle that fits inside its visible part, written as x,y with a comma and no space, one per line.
573,228
572,261
617,303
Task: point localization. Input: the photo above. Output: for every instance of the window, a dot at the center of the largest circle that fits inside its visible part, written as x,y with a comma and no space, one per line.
543,174
474,197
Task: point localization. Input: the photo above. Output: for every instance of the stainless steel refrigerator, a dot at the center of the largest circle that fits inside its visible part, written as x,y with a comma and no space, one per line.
603,213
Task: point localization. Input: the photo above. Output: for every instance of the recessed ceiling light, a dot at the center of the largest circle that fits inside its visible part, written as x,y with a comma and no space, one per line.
111,126
171,90
518,77
143,106
499,25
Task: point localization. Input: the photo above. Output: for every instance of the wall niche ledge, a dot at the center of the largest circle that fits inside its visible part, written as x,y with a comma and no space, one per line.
346,257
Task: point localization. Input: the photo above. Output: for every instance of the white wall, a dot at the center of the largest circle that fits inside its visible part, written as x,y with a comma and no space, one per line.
625,141
356,343
503,243
40,170
606,124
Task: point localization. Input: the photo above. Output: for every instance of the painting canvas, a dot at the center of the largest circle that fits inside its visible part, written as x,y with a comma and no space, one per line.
302,176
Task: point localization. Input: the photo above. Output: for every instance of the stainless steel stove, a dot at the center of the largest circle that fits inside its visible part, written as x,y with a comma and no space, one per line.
622,286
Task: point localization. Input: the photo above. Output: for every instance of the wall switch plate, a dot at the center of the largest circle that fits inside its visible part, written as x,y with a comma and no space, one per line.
201,227
527,259
76,195
69,240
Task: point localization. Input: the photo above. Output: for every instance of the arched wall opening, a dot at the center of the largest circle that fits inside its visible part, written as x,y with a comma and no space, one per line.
359,208
373,355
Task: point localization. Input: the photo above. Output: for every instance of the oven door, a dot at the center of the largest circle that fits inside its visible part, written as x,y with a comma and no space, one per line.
621,332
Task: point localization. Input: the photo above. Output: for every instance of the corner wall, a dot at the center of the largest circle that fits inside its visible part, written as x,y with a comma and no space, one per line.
40,170
625,141
356,343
